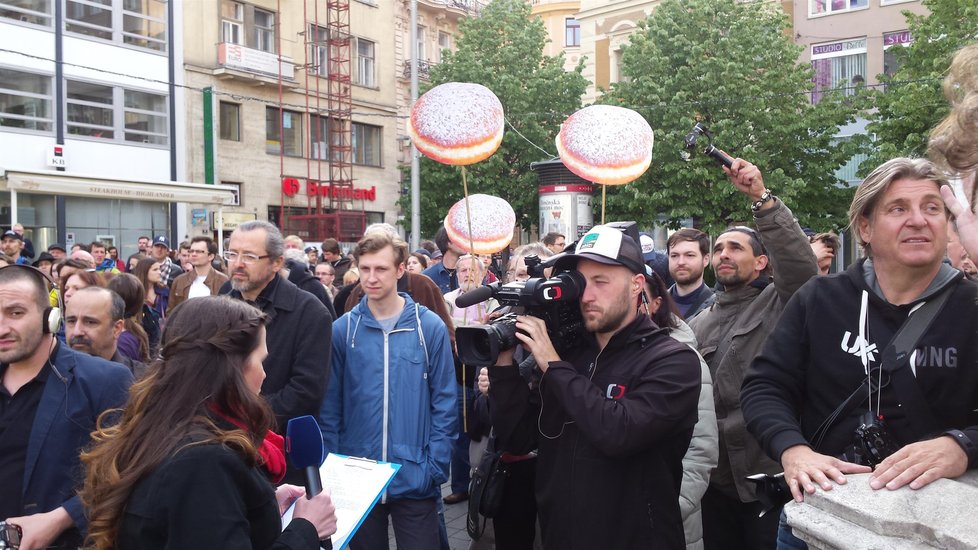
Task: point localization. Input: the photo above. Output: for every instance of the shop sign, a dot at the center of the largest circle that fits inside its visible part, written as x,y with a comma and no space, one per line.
232,220
291,187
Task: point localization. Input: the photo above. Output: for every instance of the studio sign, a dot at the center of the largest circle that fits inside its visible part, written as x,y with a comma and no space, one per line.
291,186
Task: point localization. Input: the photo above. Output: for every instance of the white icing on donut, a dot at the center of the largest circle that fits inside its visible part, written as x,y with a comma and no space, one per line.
493,220
457,116
606,144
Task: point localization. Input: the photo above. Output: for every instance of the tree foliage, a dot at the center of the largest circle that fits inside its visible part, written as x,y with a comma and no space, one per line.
502,49
911,103
731,66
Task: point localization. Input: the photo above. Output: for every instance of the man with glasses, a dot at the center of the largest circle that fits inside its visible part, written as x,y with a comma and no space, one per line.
202,279
730,334
299,328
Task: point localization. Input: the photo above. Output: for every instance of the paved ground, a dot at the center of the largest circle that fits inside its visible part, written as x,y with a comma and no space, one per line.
455,514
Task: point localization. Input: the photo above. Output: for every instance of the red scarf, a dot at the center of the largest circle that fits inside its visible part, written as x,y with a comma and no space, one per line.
271,451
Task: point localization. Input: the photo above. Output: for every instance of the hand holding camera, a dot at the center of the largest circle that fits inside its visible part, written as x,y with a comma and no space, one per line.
10,535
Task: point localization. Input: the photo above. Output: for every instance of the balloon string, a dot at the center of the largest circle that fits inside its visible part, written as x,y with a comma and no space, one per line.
604,199
468,211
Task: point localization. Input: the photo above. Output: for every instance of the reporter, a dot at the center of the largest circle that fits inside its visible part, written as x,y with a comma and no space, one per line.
189,464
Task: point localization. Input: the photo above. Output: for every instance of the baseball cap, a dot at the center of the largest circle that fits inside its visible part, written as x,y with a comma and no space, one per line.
12,234
609,246
311,249
648,246
162,240
422,251
57,246
436,254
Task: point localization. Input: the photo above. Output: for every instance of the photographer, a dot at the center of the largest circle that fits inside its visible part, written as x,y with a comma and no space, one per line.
828,374
615,419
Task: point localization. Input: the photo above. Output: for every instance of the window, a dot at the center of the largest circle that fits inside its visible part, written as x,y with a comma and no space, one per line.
319,50
838,65
825,7
572,32
236,201
230,121
319,136
25,100
140,23
366,144
365,63
890,39
287,131
264,31
232,22
37,12
444,43
107,112
421,53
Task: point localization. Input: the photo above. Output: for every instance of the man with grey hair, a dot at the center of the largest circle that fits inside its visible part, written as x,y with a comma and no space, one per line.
829,369
299,329
94,319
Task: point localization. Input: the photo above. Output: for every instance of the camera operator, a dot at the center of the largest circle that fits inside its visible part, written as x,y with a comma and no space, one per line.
615,419
831,361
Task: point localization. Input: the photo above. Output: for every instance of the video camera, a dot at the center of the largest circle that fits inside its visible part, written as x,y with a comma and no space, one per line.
555,300
10,535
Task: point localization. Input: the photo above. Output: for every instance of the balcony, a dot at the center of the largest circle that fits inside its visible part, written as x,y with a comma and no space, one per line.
255,66
424,69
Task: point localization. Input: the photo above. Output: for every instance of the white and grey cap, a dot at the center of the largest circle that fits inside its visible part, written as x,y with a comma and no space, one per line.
609,246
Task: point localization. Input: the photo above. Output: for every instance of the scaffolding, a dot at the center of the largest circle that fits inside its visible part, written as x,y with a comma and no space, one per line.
331,209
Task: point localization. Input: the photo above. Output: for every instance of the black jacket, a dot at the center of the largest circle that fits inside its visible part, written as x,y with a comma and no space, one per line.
299,276
206,496
614,427
300,331
811,363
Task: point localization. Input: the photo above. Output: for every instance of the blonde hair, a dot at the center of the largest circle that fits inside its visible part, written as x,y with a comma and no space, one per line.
351,276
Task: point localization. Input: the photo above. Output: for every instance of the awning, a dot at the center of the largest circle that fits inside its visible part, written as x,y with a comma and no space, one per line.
51,182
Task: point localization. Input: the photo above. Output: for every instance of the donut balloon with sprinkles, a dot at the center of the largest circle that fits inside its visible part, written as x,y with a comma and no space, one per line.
606,144
457,123
493,220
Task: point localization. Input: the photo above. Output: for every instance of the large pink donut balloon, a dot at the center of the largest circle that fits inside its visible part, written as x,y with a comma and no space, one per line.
606,144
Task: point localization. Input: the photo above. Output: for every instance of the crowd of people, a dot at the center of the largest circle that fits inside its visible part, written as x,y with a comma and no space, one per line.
143,400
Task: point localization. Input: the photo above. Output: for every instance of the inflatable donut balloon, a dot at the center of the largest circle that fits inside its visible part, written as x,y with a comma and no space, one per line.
606,144
493,220
457,123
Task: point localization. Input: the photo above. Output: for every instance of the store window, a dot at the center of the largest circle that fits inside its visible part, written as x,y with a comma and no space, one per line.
26,100
140,23
230,121
319,127
35,12
892,40
825,7
366,144
572,32
366,63
283,135
838,65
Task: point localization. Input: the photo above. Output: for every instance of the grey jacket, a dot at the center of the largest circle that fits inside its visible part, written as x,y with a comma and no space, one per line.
731,333
701,457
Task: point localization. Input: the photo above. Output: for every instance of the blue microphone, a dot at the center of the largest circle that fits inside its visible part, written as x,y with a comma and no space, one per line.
304,445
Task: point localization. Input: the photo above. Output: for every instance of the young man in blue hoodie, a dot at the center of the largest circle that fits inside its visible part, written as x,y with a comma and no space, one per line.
393,357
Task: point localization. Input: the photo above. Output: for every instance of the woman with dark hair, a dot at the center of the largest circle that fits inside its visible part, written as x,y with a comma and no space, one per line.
133,260
79,280
702,455
148,273
191,462
417,262
133,341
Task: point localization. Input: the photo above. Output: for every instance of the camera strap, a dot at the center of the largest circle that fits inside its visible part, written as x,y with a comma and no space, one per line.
897,355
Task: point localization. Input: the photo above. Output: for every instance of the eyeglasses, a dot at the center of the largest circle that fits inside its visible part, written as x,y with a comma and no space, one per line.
246,259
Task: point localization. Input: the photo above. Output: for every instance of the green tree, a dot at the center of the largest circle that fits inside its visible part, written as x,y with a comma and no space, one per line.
502,49
732,66
911,103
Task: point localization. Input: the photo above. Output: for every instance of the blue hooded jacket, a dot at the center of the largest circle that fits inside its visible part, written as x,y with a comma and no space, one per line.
392,396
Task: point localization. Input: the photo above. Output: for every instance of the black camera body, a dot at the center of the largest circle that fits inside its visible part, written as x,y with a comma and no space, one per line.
555,300
872,442
10,535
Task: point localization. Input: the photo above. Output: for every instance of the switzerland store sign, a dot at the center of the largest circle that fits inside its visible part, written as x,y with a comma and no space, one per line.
291,186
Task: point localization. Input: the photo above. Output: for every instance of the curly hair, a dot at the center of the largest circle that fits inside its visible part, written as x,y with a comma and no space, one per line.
954,141
203,352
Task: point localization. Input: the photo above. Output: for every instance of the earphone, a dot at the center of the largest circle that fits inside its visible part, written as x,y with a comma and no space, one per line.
51,316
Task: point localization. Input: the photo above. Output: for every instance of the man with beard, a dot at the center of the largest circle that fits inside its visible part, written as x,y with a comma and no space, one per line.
299,327
730,334
689,254
614,418
470,272
94,319
50,399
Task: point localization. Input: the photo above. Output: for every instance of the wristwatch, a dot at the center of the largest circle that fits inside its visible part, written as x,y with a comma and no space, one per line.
756,205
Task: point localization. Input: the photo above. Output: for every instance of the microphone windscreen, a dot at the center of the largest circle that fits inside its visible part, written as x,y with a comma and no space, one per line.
304,442
473,297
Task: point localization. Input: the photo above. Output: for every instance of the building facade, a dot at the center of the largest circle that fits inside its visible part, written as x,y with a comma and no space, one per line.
90,121
563,28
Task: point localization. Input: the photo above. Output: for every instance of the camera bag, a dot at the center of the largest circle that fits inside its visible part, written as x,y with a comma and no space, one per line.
486,489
